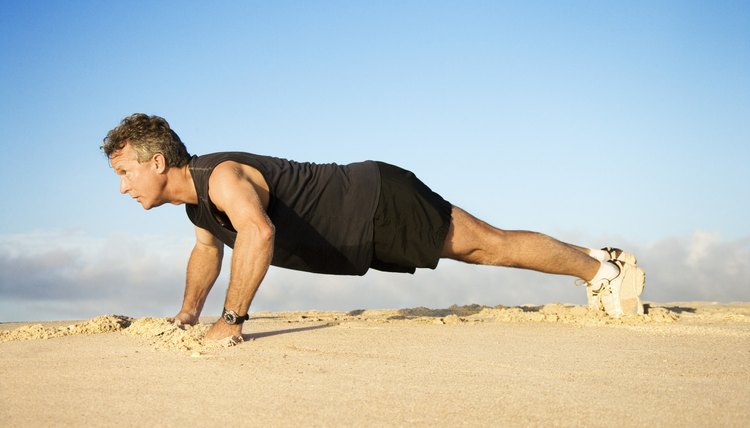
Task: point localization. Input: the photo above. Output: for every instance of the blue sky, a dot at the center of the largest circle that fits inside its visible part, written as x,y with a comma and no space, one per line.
623,123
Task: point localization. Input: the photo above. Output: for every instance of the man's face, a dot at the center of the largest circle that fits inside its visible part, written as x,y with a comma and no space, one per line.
142,181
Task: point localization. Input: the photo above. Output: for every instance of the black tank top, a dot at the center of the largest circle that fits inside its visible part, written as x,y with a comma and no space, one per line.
322,212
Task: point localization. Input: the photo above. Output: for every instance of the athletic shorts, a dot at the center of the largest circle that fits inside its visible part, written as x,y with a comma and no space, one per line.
411,223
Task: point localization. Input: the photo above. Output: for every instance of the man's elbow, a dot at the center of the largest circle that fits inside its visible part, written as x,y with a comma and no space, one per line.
267,233
258,234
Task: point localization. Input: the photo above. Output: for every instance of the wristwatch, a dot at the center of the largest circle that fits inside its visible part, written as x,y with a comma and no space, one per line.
231,317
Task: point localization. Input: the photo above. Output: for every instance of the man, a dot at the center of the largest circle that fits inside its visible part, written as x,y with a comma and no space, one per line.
335,219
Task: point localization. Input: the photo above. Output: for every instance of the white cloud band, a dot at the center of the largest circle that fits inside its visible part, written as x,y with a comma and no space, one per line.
54,275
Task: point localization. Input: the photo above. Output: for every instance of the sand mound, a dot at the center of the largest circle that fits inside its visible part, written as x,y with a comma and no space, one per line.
552,313
102,324
159,332
567,314
162,333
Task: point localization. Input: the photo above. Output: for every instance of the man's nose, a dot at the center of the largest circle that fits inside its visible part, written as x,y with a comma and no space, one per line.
124,187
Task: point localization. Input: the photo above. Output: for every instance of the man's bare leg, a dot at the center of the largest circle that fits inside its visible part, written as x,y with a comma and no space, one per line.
473,241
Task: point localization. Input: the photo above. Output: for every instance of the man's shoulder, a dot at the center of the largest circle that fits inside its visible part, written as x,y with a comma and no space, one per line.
228,170
218,157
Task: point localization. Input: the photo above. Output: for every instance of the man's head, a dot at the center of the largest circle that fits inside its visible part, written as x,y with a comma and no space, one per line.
141,150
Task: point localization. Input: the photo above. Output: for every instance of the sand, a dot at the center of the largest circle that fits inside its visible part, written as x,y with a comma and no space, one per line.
681,364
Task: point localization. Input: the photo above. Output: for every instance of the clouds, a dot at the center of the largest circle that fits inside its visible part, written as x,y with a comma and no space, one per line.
53,275
72,276
700,267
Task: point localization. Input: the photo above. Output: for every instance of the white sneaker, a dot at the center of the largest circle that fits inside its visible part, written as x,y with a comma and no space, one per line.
620,295
631,295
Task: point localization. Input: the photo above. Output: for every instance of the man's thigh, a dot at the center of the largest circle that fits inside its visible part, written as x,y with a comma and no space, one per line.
410,224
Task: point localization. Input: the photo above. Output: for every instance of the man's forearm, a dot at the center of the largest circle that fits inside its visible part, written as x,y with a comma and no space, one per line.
250,261
203,268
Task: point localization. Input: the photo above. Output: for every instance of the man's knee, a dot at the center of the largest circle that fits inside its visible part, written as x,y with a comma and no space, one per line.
471,240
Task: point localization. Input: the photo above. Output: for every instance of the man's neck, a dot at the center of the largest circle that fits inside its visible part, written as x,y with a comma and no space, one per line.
180,188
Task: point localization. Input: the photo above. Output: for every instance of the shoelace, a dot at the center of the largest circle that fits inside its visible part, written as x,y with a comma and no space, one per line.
581,282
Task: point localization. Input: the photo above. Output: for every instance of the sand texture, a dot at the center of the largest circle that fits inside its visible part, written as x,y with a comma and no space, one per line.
683,364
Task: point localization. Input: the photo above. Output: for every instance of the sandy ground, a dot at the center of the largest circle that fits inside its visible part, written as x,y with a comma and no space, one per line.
685,364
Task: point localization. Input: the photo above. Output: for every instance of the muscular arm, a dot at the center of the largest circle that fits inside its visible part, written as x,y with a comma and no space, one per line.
203,268
235,193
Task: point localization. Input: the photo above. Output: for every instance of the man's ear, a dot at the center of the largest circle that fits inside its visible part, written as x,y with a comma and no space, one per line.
160,163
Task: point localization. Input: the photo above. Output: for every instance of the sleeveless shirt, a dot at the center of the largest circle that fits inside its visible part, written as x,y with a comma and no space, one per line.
322,213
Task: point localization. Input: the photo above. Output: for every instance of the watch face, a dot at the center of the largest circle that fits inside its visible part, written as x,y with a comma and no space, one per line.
230,318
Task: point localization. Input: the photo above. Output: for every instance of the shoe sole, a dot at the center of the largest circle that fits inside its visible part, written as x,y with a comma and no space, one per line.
627,286
631,287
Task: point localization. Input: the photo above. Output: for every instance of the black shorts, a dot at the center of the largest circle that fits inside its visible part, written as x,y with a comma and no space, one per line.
410,223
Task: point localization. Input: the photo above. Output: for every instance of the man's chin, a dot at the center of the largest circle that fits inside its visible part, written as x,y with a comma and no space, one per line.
148,206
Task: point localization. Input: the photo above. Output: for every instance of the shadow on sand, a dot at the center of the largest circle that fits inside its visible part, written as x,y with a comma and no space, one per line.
254,336
680,309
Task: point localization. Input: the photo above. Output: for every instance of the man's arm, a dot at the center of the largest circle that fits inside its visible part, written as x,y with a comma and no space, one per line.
203,268
234,193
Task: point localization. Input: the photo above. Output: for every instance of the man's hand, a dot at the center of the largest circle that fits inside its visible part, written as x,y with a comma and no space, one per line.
221,330
184,318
